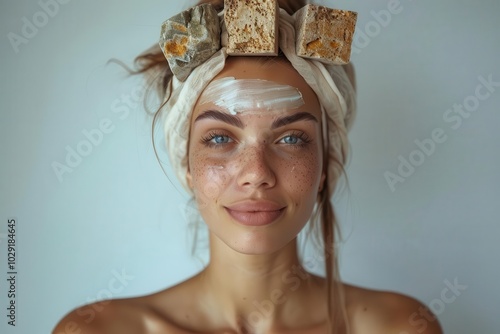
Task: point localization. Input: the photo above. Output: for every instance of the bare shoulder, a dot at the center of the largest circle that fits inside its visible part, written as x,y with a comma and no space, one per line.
375,311
110,316
139,315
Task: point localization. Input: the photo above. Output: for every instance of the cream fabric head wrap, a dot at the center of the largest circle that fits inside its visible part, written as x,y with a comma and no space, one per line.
330,83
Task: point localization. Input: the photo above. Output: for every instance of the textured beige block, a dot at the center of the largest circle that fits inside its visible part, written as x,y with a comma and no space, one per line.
190,38
325,34
252,27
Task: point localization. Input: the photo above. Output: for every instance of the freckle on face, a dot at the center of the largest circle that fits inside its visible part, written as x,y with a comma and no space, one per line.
214,175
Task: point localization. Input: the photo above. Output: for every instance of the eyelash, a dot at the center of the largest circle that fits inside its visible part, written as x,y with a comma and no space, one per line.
207,140
301,135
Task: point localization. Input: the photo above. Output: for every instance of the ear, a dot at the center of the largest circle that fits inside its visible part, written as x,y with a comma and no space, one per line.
189,179
322,181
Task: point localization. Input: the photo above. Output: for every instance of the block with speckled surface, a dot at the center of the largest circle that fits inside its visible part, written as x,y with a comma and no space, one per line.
252,27
325,34
190,38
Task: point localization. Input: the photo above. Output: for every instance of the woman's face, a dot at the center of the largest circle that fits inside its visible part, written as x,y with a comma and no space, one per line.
255,154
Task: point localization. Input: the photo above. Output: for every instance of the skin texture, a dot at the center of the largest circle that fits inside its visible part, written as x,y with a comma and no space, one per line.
254,282
257,164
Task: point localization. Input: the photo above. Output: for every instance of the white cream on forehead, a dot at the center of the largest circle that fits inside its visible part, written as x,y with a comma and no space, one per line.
251,95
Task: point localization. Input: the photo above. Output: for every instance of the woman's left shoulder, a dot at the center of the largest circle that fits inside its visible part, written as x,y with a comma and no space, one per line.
387,312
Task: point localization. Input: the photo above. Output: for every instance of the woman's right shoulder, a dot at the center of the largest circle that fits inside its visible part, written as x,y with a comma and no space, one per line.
108,316
138,315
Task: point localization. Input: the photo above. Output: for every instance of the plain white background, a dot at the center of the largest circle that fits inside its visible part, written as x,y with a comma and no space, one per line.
116,212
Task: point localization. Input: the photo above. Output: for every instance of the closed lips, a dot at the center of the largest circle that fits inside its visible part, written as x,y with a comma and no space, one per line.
255,213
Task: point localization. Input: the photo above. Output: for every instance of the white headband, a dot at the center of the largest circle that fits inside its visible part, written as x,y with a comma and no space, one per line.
331,84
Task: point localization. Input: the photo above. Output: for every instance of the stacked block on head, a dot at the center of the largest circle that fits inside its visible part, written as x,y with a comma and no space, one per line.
325,34
190,38
252,27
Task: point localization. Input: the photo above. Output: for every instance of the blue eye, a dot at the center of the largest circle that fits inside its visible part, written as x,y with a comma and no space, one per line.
218,139
291,140
215,139
296,139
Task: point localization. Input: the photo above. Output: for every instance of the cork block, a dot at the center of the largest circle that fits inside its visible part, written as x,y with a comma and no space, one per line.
252,27
190,38
325,34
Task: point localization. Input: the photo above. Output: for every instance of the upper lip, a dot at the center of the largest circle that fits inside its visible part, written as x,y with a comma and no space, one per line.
255,206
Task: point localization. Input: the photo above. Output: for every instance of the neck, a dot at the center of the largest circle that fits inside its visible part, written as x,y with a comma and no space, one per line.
259,292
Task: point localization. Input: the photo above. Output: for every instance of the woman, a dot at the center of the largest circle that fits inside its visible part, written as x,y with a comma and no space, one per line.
260,163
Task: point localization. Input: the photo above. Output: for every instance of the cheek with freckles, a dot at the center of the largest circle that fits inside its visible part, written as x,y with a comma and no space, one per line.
209,179
302,176
217,175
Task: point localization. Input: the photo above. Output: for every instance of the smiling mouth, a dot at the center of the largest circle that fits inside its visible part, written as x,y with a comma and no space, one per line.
255,218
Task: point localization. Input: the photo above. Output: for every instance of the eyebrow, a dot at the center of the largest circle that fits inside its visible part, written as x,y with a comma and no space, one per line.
220,116
300,116
235,121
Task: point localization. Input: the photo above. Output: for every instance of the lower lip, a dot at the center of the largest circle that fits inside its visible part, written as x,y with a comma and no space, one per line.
258,218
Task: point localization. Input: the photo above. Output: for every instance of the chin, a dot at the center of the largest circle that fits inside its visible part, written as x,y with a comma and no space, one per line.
254,249
258,242
253,240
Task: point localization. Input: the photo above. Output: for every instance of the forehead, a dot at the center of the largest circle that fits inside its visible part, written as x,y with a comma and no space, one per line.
277,70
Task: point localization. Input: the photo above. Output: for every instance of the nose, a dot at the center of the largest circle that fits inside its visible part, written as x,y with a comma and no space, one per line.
255,169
